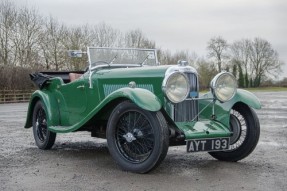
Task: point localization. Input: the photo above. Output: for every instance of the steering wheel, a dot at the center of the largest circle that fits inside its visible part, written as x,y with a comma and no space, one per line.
100,61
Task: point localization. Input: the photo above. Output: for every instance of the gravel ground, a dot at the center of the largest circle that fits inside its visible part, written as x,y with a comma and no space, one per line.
80,162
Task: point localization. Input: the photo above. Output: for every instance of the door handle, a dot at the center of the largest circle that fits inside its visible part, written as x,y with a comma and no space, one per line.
82,86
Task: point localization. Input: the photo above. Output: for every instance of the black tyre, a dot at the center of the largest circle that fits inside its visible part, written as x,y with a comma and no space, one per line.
137,139
245,126
44,138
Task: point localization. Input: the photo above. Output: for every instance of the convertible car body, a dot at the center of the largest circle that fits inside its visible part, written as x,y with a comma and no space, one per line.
142,108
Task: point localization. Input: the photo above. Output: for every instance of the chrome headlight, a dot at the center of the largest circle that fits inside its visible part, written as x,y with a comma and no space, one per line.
176,87
223,86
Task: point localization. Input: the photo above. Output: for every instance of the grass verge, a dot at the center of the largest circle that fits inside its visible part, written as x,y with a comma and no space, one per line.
267,89
260,89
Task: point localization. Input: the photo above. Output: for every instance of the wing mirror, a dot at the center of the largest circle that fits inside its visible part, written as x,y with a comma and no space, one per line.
75,53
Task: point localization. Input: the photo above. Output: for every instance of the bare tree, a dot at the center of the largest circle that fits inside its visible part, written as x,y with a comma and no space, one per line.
240,52
27,37
136,39
105,36
51,44
167,58
206,72
264,60
8,16
217,48
77,38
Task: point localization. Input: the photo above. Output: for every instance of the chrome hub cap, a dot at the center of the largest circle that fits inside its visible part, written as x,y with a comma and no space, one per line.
129,137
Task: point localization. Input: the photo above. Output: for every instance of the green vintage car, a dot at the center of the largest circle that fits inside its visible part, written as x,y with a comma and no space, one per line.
142,108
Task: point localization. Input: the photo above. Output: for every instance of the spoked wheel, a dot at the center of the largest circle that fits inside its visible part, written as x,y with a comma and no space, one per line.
137,139
44,138
245,126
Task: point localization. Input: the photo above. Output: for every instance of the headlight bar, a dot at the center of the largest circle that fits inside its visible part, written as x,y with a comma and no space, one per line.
221,80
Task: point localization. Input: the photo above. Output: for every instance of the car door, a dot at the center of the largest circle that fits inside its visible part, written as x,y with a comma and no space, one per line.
73,101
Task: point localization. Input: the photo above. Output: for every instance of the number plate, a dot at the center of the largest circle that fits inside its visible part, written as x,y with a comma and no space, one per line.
217,144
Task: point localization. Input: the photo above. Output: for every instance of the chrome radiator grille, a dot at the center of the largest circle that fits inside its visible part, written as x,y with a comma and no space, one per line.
188,109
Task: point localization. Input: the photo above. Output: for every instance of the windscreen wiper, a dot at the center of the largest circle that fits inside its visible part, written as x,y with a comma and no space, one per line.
141,63
112,61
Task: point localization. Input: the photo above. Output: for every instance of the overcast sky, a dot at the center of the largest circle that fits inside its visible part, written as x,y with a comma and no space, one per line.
179,24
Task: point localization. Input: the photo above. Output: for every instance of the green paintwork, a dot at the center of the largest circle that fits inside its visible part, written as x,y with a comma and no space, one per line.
220,126
143,98
203,129
73,105
222,110
50,105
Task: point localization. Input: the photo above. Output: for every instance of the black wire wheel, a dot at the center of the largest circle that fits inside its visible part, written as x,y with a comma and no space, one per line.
137,139
245,128
44,138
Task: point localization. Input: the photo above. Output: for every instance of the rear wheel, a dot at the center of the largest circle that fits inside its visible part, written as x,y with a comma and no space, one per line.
44,138
245,126
137,139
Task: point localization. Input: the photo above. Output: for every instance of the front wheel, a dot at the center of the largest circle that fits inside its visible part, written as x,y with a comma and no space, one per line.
44,138
245,126
137,139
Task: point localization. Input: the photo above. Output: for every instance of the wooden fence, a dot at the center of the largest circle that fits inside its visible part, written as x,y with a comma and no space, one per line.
15,96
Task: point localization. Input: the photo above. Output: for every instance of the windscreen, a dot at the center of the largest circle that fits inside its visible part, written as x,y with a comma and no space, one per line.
100,56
